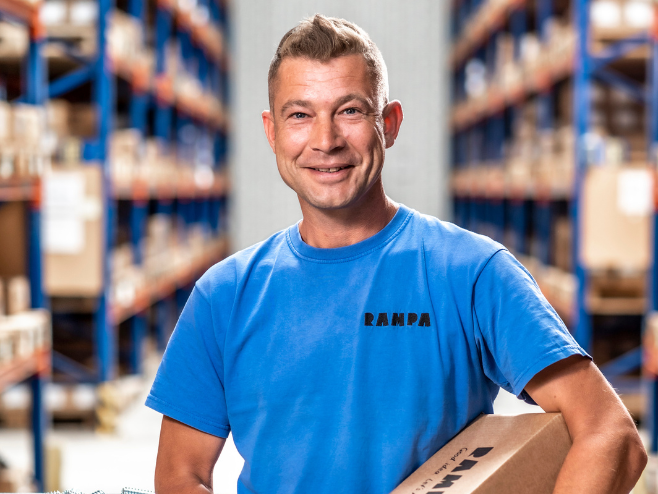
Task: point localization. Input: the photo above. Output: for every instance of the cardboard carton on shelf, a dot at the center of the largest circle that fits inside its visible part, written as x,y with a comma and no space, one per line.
504,51
30,331
125,37
7,347
460,182
82,120
159,166
496,455
83,12
559,287
73,231
562,243
617,206
531,54
5,122
13,240
494,180
127,284
30,163
544,162
614,19
28,124
14,40
616,292
71,12
125,147
125,276
18,295
561,44
72,20
36,325
518,176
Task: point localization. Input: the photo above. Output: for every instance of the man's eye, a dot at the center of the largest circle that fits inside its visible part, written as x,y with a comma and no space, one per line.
351,111
298,114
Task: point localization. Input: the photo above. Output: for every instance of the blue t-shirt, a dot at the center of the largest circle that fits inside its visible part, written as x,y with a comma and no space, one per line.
343,370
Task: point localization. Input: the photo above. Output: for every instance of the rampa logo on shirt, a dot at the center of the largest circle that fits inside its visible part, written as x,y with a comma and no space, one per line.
397,319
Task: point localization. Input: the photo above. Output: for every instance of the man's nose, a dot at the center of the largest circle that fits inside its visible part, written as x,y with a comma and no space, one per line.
326,135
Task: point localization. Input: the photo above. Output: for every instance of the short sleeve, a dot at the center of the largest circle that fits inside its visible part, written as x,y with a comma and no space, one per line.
518,332
189,386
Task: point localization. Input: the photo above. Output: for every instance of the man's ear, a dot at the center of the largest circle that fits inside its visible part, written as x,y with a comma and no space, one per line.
393,116
268,125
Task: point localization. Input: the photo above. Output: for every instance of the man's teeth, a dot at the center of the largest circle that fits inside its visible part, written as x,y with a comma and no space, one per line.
329,170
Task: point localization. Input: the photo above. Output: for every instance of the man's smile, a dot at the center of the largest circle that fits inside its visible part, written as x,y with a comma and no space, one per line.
331,170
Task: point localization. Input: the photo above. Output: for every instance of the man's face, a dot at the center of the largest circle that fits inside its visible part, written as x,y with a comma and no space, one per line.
328,130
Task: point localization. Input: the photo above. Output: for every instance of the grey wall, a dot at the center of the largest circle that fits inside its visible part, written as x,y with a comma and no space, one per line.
412,36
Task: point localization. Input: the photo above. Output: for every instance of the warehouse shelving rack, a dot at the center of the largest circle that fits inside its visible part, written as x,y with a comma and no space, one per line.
171,118
479,131
36,367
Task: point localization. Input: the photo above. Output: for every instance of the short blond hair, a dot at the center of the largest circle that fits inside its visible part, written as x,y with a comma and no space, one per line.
324,38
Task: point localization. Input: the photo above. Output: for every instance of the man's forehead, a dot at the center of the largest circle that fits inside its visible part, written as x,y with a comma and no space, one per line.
295,68
303,76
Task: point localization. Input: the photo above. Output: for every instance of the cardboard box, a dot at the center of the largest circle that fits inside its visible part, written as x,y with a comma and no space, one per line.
28,122
73,232
607,15
14,40
31,331
13,239
617,208
57,115
53,12
496,455
18,295
82,120
562,240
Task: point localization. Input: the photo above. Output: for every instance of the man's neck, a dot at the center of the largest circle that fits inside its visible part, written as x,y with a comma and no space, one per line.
329,229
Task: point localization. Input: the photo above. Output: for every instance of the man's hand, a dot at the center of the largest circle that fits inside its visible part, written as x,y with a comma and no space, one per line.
186,459
607,455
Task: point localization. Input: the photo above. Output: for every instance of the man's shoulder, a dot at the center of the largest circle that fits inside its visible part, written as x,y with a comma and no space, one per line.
445,240
226,273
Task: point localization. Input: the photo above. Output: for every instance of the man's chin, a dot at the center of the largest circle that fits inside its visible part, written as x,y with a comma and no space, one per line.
327,203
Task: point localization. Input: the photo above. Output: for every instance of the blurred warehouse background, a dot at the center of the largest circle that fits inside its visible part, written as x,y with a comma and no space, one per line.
132,158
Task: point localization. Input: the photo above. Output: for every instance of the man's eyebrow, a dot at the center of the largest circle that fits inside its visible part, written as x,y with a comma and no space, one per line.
352,97
297,102
341,101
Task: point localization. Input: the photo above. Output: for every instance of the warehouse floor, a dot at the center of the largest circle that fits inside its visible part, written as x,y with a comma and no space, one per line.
92,461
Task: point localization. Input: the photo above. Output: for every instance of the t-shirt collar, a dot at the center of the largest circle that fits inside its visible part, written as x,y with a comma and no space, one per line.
302,249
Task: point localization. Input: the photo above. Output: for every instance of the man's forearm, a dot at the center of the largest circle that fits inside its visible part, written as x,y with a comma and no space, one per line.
187,485
607,463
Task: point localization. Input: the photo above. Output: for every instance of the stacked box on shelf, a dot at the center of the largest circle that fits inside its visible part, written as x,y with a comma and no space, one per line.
71,22
24,332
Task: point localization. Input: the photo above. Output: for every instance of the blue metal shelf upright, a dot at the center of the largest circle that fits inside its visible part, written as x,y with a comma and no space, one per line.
153,111
478,137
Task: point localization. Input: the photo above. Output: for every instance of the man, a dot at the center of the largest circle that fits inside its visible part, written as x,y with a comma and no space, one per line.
346,350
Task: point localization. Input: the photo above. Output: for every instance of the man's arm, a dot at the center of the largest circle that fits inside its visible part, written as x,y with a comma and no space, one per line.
607,455
186,459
